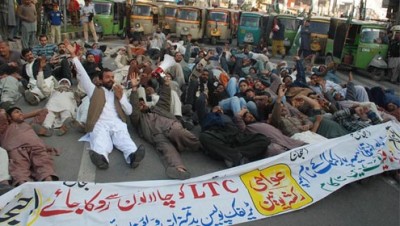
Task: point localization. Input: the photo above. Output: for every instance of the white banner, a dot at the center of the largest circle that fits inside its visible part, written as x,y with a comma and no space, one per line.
277,185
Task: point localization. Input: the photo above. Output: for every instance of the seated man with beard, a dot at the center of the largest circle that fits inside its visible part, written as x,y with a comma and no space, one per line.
162,129
106,121
90,65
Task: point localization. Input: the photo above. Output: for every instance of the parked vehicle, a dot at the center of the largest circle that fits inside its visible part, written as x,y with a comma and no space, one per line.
144,17
222,24
191,20
252,28
359,44
110,18
292,24
319,27
169,14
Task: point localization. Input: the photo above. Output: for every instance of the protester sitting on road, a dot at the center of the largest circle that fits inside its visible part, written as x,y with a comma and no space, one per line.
9,56
221,139
106,123
351,92
356,118
10,84
162,129
44,48
30,71
90,65
299,128
61,105
29,155
122,59
280,143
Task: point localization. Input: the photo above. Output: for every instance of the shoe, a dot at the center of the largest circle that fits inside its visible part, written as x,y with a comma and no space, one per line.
175,173
137,156
31,98
4,188
41,130
98,160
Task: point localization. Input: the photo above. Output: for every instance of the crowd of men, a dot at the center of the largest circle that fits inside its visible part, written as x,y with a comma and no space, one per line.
247,107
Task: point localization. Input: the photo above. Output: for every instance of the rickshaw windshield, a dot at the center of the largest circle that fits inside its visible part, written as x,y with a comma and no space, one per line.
102,8
170,11
319,27
370,35
249,21
188,14
218,16
141,10
290,23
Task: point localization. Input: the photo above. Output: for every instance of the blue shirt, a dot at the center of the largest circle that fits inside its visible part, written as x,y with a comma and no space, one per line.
55,17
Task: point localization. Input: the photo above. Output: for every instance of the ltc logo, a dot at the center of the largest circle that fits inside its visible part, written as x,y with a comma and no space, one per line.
274,190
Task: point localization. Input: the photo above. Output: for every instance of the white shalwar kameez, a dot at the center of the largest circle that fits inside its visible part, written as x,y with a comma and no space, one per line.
109,130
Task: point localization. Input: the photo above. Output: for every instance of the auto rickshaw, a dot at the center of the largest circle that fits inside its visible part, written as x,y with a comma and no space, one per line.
110,17
144,17
169,13
292,24
359,44
190,20
319,27
222,24
252,28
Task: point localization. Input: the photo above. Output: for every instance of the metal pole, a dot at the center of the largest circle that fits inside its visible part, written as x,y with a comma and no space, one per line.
65,16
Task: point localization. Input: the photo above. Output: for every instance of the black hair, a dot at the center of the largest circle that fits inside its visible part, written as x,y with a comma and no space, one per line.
25,51
103,71
12,109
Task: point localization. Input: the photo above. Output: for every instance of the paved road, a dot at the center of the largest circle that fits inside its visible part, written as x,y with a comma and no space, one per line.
374,202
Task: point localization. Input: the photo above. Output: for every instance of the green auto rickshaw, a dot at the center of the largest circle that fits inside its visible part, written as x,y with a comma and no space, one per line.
360,45
292,24
110,18
252,28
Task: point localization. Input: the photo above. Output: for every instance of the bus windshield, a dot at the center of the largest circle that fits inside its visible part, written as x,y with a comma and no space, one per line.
249,21
218,16
141,10
188,14
170,11
102,8
319,27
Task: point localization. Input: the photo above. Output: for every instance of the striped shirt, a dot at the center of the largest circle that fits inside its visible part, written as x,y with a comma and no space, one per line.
48,50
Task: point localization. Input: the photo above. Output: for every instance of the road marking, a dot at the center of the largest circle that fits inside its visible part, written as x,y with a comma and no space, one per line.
87,170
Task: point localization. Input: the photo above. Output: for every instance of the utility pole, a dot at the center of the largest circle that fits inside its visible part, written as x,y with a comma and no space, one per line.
65,15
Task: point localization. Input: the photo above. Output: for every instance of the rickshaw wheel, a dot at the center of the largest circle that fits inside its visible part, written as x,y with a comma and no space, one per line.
377,73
